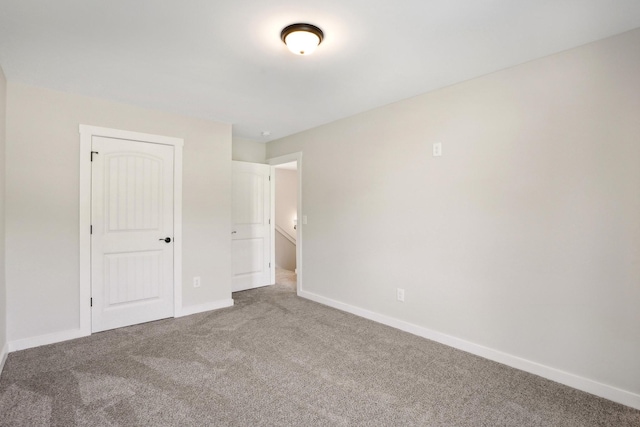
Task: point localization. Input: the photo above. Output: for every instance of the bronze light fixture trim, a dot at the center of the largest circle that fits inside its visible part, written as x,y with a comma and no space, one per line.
302,39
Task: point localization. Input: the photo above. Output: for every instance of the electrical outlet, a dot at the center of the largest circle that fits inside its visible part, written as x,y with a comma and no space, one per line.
400,294
196,282
437,149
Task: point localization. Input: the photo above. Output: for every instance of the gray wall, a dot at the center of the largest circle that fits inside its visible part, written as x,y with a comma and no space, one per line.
246,150
42,203
3,287
523,237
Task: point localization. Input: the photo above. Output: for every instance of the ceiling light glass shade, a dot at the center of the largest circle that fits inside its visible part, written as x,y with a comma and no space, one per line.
302,39
302,43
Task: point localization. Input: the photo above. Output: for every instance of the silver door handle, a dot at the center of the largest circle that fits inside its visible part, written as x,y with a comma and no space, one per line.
233,232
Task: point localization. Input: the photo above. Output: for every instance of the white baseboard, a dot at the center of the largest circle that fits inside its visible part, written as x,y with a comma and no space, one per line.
53,338
3,355
201,308
599,389
56,337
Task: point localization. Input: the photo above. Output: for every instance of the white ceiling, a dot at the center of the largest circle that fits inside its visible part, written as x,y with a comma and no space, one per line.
223,59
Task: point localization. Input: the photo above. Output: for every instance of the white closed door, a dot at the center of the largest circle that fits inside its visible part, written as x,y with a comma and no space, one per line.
251,230
132,232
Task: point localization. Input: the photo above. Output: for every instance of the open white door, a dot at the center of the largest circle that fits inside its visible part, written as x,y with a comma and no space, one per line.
251,232
132,232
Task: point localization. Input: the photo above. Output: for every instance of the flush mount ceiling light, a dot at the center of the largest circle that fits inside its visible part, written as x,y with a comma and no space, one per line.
302,39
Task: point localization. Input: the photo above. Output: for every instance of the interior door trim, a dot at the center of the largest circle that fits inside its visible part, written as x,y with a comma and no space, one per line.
86,135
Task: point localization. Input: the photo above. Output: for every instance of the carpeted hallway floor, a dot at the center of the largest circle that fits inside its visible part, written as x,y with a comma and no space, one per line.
276,359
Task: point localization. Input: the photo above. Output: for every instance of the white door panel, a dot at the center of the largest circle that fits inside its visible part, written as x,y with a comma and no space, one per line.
251,243
249,257
132,212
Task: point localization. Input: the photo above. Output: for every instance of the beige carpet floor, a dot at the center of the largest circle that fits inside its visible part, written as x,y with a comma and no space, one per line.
278,360
286,278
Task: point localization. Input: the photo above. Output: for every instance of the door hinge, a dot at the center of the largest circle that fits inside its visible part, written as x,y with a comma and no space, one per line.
269,177
92,153
91,301
91,229
269,265
269,220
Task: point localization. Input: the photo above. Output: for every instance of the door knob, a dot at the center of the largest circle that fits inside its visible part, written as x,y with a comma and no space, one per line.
166,239
233,232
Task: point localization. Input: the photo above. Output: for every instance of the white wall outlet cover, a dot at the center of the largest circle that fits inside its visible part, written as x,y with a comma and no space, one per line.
196,282
437,149
304,219
400,294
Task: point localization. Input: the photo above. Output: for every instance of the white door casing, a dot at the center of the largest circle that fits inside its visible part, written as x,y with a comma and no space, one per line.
87,135
132,232
251,229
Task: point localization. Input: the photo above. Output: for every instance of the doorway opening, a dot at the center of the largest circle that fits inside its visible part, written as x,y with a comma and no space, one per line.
286,223
286,209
